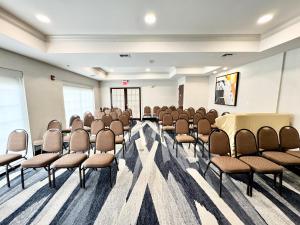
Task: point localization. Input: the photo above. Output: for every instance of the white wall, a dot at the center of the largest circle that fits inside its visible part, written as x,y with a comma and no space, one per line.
44,97
153,92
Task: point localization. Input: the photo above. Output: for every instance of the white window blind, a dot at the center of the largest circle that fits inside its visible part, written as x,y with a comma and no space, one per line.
78,100
13,108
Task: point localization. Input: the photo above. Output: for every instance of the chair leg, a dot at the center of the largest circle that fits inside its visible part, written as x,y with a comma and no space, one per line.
83,176
123,148
176,149
53,175
189,145
117,164
22,178
80,177
274,180
195,149
249,184
49,175
110,177
174,143
220,187
206,168
202,144
7,176
280,183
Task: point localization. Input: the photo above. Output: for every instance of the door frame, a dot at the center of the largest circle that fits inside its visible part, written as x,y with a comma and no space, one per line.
126,99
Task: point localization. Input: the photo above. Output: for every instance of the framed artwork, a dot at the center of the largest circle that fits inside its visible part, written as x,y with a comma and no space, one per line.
226,89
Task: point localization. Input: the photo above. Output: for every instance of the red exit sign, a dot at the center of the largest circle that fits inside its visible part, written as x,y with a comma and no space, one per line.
124,82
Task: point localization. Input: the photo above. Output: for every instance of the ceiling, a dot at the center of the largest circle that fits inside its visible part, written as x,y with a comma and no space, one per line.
187,34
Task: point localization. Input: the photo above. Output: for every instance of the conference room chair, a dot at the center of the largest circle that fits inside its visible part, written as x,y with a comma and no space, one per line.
175,116
51,151
76,124
79,146
147,111
53,124
184,115
164,108
247,151
183,135
160,117
172,107
212,119
107,111
17,145
202,110
289,140
119,112
203,132
114,115
117,128
269,145
179,110
87,121
168,111
196,118
155,111
219,145
125,119
191,112
105,154
107,119
167,124
72,118
96,126
215,112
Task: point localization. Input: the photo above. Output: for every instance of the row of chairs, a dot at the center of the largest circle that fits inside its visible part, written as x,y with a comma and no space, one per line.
265,154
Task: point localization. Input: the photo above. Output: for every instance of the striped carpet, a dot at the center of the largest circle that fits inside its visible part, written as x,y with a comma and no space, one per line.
151,187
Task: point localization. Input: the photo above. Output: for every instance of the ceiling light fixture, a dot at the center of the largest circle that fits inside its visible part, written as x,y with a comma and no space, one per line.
225,68
265,18
147,70
150,18
42,18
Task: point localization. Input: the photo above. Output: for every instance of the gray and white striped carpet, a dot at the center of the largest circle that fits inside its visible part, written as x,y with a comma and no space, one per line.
151,187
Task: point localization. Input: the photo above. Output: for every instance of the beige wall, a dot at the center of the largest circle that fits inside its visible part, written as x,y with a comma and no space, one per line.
44,97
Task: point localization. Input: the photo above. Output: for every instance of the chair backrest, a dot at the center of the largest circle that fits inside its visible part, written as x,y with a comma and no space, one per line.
105,140
124,118
188,113
211,117
267,139
225,113
196,118
117,127
107,119
161,114
179,110
289,138
175,115
72,118
164,108
172,107
107,111
114,115
215,112
155,109
119,112
204,127
202,109
245,143
182,126
219,143
184,116
52,141
167,120
191,111
79,141
96,126
77,123
147,110
126,112
54,124
17,141
88,119
168,111
130,111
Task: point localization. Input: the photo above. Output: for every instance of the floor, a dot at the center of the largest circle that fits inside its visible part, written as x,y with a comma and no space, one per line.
151,187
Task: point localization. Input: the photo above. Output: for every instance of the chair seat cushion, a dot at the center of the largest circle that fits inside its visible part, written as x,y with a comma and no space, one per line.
41,160
66,138
92,138
230,165
185,138
261,165
8,158
70,160
38,142
119,139
281,158
166,128
99,160
294,153
203,137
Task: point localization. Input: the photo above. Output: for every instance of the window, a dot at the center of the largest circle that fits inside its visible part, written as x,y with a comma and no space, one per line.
13,109
77,100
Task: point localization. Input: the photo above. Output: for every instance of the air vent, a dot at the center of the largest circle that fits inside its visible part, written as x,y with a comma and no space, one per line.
125,55
227,54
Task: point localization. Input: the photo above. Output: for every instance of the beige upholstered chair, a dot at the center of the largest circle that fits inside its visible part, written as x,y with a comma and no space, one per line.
72,118
172,107
105,145
88,119
114,115
197,116
247,151
155,111
269,145
219,146
52,145
119,112
125,119
96,126
215,112
17,145
175,116
191,112
117,128
184,115
147,111
168,111
182,135
77,123
160,117
211,118
204,129
202,110
164,108
107,119
79,145
179,110
167,124
289,140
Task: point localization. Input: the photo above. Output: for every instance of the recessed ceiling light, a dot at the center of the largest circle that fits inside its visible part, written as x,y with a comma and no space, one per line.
43,18
150,18
147,70
265,18
215,72
225,68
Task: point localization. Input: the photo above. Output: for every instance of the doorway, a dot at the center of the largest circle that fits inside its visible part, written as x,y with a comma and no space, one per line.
125,98
180,95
